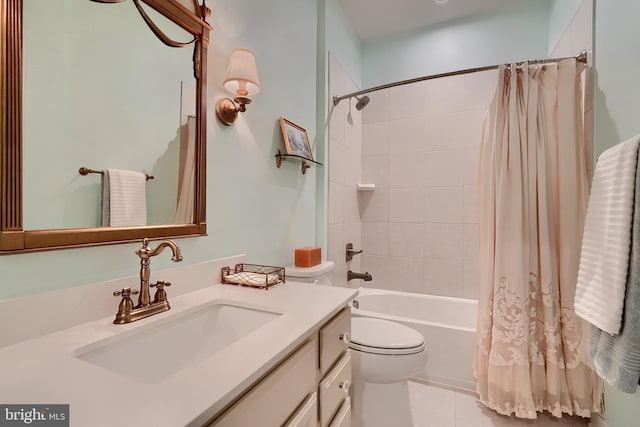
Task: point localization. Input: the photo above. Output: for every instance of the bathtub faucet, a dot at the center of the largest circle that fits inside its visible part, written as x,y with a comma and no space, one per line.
364,276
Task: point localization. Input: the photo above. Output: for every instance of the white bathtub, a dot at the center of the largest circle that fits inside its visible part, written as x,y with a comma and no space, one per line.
447,324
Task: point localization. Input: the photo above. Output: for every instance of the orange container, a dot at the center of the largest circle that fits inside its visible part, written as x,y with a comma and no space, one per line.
308,256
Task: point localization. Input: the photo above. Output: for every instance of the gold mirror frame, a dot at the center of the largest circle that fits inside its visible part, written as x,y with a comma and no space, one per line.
13,238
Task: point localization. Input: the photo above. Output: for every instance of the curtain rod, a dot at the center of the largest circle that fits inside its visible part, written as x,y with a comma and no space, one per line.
581,57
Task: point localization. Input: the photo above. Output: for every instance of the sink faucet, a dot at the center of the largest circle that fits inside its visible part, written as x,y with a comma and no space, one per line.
127,312
145,253
364,276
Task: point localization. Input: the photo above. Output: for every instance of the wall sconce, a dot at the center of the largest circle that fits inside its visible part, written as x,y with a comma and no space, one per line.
241,79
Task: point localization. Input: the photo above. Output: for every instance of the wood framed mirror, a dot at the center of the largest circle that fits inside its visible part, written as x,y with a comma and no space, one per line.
14,238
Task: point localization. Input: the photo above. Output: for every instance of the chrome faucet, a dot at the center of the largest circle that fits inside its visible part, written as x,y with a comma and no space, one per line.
126,311
364,276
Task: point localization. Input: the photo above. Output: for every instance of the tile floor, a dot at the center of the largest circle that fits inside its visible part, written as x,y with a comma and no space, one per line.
436,407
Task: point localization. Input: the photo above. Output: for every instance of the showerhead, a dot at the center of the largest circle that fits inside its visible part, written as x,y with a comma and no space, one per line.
362,102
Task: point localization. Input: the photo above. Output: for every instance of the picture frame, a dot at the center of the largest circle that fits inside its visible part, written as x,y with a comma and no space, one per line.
296,140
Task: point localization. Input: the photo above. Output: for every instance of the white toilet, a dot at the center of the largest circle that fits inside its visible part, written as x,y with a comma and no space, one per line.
319,274
384,355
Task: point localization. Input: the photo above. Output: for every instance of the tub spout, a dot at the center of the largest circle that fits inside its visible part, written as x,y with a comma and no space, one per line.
364,276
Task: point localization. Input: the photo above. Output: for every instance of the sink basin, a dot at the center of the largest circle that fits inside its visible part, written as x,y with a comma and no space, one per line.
155,353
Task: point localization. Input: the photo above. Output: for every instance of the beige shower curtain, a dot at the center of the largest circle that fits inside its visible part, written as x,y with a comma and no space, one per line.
532,198
187,173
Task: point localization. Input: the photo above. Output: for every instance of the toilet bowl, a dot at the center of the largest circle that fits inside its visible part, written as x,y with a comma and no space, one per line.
386,351
383,355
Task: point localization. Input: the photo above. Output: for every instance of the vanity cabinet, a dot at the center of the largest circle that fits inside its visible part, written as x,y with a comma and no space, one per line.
307,415
335,368
343,417
272,401
309,388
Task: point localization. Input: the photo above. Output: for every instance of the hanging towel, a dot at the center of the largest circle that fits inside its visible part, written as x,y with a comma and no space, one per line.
617,358
604,259
124,198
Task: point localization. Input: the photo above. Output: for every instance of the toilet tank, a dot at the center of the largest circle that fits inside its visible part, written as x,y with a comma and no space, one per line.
319,274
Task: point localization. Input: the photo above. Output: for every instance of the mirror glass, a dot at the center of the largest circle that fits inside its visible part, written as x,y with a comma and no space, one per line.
101,91
189,4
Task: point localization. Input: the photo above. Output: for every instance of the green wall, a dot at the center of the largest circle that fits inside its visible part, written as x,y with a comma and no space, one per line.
484,39
560,14
90,95
252,207
335,36
342,42
616,112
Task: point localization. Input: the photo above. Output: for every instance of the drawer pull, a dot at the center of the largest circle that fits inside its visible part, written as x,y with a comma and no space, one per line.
345,337
345,385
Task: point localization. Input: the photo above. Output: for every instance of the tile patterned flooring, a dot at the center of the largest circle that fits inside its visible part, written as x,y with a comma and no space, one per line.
436,407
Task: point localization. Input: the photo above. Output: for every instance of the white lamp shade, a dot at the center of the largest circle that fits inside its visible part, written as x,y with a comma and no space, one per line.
242,73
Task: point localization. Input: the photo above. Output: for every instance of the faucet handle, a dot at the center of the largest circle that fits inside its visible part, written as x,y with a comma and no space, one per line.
160,295
125,292
126,305
351,252
160,284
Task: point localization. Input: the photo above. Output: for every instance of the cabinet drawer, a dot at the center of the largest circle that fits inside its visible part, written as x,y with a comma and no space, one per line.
334,339
343,417
307,415
272,401
334,388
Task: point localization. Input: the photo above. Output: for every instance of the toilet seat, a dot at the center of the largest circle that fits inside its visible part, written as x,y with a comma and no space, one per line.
379,336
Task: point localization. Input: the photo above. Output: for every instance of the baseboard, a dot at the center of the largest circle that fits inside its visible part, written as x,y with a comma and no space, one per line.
598,421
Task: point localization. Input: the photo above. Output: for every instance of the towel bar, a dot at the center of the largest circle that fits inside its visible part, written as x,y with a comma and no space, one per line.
87,171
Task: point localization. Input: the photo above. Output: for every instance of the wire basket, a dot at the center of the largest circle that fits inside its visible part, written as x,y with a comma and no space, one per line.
254,275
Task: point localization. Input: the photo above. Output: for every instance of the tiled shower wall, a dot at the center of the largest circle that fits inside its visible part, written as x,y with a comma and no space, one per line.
345,160
420,147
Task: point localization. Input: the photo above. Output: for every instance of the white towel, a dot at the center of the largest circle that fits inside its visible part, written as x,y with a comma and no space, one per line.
247,278
616,358
604,260
124,198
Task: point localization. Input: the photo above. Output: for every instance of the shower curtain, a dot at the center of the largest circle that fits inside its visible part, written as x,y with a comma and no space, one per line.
187,173
532,198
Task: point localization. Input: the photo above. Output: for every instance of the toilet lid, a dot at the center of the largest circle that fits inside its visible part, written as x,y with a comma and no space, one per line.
384,337
306,272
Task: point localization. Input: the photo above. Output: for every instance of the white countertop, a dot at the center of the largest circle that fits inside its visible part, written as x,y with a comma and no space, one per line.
45,371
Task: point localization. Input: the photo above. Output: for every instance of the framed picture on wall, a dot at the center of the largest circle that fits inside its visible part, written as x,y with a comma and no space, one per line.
296,139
